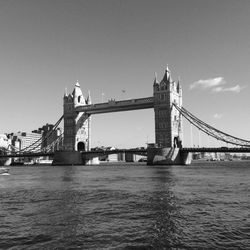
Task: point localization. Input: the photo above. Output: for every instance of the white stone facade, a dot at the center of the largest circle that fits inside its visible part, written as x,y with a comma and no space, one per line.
76,125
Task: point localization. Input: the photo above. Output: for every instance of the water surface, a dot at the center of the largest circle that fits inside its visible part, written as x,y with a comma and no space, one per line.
126,206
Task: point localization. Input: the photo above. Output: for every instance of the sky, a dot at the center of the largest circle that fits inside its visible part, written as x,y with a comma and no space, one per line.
113,45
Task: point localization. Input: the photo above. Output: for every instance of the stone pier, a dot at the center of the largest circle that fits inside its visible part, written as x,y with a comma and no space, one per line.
168,156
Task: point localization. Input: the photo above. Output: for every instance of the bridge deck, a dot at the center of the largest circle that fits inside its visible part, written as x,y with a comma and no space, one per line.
215,150
27,155
93,152
116,106
136,151
115,151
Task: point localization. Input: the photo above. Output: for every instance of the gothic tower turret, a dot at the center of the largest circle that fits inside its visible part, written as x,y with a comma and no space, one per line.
168,123
76,124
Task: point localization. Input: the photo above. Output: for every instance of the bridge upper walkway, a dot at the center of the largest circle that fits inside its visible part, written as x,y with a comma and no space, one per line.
116,106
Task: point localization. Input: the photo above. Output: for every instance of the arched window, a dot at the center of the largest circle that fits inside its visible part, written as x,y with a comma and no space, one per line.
80,146
79,98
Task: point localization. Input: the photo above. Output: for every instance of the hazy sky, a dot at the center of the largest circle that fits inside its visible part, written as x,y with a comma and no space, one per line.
111,45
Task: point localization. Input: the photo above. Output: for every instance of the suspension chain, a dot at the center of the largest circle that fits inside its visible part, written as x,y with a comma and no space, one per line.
211,131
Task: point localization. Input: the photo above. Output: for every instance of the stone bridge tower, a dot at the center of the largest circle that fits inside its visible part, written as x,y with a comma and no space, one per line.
76,124
168,122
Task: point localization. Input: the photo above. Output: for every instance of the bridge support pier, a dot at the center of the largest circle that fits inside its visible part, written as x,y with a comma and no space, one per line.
168,156
73,158
68,158
129,157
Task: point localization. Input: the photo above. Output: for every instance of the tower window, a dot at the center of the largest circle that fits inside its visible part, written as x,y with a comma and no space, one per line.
79,98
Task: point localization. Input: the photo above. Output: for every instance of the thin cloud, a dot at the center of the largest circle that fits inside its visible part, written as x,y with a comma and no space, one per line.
217,116
236,89
208,83
216,85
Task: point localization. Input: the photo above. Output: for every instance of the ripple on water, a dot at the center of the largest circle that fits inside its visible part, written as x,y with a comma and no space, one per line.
126,207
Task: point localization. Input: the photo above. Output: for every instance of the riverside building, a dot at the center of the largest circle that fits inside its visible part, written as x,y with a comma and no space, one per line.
24,140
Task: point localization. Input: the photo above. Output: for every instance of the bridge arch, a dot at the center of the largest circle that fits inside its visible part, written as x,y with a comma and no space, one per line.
80,146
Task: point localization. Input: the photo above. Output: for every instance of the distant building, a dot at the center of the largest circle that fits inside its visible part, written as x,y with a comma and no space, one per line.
23,140
50,136
37,139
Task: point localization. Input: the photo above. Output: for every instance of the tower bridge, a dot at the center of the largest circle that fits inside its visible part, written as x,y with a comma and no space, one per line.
168,122
168,115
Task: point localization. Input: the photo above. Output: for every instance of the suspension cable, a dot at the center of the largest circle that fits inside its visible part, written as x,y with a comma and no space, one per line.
33,146
211,131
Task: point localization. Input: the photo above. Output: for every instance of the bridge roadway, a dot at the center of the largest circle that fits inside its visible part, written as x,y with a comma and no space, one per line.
217,150
135,151
87,153
115,151
116,106
27,155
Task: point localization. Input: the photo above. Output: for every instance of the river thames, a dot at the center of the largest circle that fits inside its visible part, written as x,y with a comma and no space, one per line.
126,206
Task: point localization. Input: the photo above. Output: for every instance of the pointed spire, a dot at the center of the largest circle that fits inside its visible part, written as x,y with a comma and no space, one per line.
77,89
65,92
167,76
88,101
77,84
77,95
167,68
156,81
178,84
